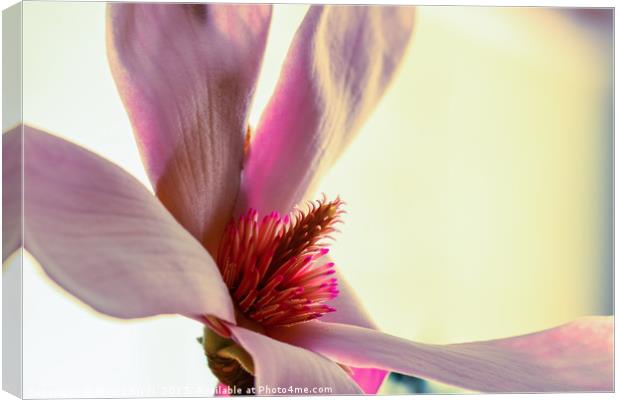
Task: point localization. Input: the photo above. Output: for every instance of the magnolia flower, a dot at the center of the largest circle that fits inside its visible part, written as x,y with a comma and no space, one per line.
219,241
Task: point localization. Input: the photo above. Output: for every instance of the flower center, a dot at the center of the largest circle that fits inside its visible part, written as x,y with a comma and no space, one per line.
274,266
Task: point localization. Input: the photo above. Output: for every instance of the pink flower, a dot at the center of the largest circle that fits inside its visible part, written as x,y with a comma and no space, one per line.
186,74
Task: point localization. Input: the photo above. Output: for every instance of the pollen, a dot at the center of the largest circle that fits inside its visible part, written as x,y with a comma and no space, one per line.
274,266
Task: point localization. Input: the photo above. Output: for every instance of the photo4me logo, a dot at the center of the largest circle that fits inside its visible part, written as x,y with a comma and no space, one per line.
272,390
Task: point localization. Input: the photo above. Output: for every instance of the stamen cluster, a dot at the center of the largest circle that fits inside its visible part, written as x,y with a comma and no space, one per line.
274,266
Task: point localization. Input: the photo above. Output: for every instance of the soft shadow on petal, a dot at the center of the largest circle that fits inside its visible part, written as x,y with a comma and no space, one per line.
107,240
349,310
280,365
11,191
187,74
574,357
338,67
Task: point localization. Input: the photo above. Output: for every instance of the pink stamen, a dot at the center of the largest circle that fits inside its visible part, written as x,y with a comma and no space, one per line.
272,265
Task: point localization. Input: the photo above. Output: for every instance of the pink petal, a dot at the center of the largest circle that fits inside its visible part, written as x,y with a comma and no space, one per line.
573,357
280,366
105,239
317,104
187,73
368,379
11,191
339,65
349,310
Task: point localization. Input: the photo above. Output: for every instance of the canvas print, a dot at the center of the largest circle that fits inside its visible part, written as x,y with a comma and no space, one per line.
216,199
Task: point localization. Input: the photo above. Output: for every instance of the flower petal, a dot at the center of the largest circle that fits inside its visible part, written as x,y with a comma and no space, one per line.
187,73
107,240
577,356
11,191
369,379
279,366
339,65
349,310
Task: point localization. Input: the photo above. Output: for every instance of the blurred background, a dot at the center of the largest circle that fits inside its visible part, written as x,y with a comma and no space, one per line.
478,193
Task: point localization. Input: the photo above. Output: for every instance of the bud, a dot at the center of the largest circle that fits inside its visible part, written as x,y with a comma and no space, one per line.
229,362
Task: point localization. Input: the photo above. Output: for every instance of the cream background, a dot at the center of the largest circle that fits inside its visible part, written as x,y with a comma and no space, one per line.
478,193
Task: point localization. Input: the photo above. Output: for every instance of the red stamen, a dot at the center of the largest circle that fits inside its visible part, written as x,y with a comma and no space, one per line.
273,266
